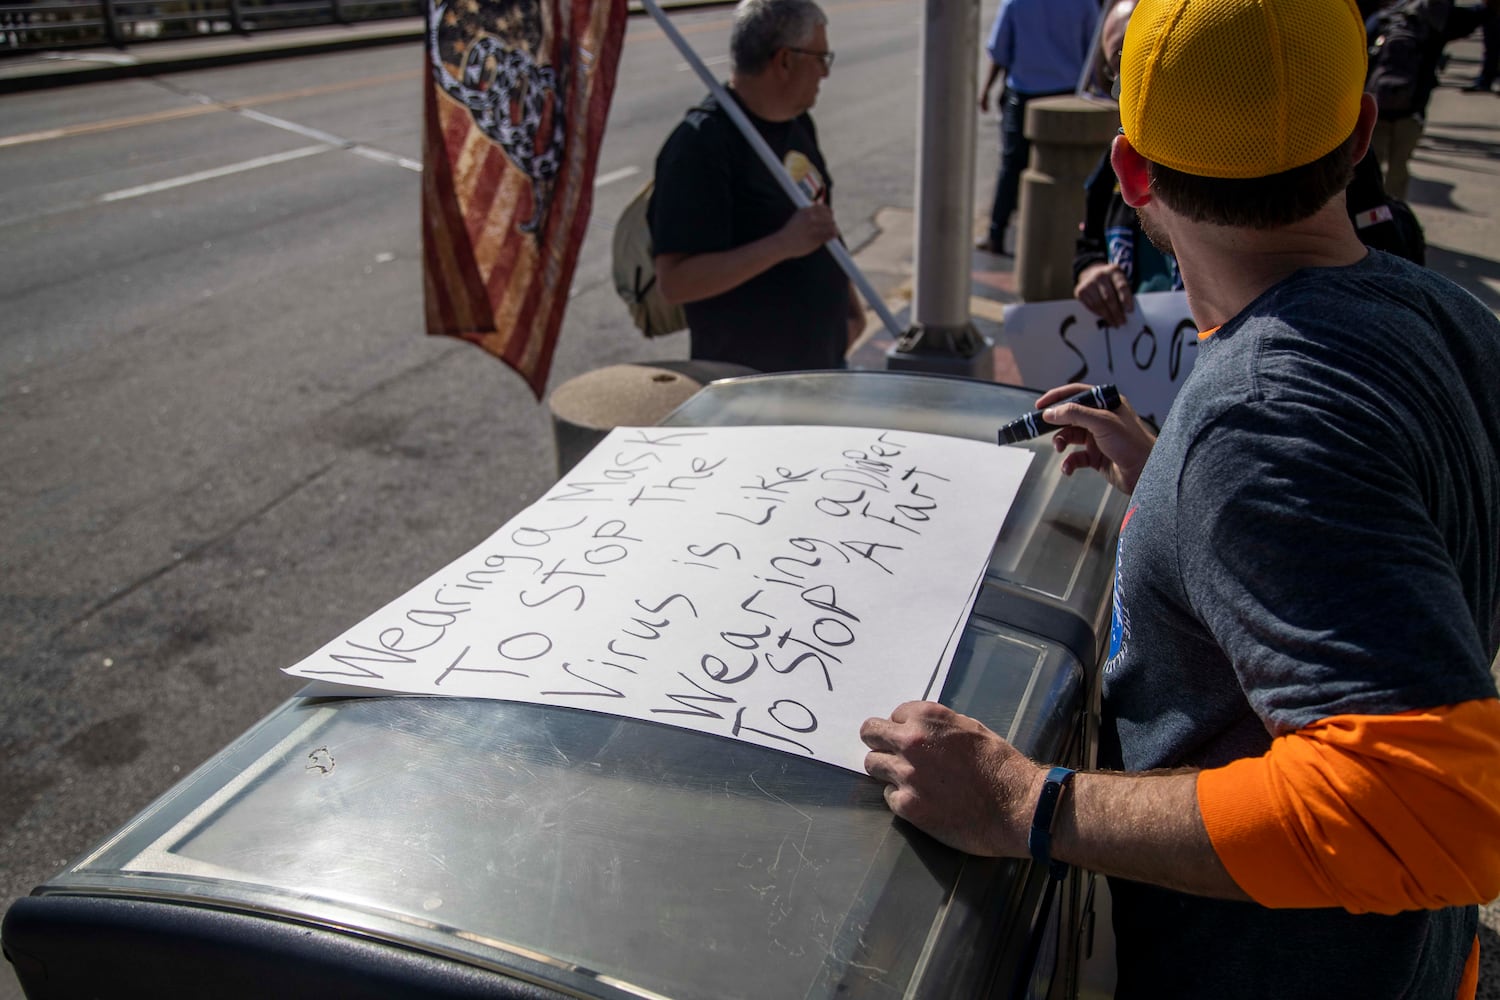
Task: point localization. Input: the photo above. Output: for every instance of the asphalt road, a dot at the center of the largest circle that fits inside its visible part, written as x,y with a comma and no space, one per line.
225,437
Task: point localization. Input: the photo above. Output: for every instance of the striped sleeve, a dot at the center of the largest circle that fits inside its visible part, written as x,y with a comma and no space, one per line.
1371,813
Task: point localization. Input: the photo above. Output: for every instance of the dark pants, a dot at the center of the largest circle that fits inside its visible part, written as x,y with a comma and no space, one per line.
1461,24
1015,151
1489,69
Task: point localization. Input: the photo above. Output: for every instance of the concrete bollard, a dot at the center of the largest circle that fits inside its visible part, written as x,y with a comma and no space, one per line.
589,406
1068,135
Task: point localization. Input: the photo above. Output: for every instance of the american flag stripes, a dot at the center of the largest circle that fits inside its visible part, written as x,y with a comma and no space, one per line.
516,96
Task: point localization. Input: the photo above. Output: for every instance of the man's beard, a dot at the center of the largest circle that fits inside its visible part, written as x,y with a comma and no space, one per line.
1154,233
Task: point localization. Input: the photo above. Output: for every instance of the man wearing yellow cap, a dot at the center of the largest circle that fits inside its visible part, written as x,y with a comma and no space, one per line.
1298,707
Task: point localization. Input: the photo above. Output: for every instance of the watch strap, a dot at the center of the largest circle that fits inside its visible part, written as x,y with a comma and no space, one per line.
1039,840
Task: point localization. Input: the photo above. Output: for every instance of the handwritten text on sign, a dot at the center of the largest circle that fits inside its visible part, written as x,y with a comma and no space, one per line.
1148,358
778,585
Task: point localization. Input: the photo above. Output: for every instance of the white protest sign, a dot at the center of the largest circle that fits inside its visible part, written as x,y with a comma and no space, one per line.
1148,358
778,585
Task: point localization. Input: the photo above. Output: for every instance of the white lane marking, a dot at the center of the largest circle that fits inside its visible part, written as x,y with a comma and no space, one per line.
381,156
329,141
615,175
317,135
17,140
710,61
208,175
368,152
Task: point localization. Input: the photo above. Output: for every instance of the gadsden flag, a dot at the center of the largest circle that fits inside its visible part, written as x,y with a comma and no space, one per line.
516,95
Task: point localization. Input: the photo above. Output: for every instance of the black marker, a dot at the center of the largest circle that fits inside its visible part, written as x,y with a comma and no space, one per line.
1100,397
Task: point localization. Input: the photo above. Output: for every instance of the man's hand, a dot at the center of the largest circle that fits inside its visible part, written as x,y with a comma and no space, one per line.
1115,442
988,85
807,229
953,778
1104,291
684,277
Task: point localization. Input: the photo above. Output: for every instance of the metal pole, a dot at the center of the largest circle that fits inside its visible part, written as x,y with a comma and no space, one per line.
942,336
778,171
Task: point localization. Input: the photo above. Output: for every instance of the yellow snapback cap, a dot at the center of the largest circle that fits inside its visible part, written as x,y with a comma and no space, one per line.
1241,88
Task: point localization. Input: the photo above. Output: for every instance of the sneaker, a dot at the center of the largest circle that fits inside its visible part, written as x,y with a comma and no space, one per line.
989,246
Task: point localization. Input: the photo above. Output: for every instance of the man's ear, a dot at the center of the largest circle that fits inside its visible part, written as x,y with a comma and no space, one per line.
1130,168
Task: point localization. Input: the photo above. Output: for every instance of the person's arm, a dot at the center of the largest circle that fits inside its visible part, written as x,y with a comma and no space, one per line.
999,46
961,783
1369,813
687,277
1309,547
692,210
1361,801
1406,822
989,84
1099,284
1090,246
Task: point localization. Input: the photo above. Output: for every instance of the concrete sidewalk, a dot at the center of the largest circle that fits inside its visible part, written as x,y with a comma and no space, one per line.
62,67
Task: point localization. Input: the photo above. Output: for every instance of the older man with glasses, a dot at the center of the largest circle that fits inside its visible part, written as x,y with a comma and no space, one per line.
757,287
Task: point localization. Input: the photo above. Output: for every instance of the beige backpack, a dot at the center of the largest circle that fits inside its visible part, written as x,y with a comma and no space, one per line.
635,271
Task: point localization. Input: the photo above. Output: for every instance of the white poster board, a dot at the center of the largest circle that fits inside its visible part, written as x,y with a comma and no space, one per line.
1148,358
778,585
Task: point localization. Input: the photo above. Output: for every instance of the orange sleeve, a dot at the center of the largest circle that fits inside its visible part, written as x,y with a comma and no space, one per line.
1372,813
1468,984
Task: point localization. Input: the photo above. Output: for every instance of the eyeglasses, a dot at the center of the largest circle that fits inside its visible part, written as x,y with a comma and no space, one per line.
826,57
1111,73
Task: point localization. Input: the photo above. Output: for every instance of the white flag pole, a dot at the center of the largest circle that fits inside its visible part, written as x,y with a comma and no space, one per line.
778,171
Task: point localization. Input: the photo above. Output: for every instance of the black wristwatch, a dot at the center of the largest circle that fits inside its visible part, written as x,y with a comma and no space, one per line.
1039,840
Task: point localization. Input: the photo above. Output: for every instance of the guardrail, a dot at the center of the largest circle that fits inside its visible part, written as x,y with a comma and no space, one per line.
58,24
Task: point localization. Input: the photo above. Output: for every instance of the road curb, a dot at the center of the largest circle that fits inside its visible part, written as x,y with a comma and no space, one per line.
45,70
68,73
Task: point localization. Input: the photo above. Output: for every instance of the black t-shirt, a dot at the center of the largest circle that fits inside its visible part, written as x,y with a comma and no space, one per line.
713,193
